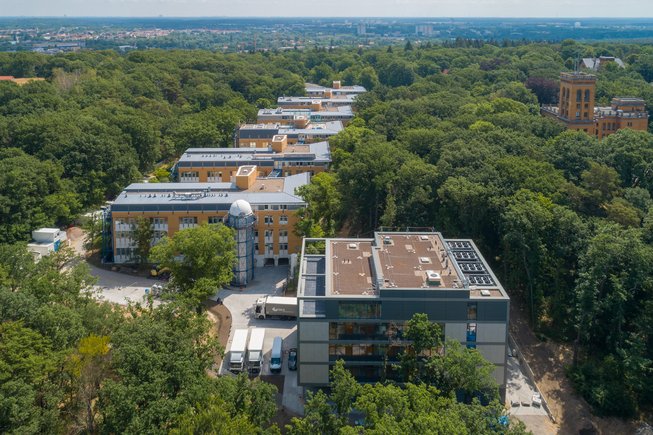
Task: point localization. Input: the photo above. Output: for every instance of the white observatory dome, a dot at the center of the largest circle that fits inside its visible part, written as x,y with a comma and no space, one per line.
240,208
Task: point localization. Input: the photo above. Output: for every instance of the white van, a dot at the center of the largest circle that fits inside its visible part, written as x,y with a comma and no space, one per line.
277,355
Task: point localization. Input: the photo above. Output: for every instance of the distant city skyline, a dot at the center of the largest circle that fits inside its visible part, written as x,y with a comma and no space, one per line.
338,8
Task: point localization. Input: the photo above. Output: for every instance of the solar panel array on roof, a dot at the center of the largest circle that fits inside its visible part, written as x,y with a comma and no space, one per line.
470,263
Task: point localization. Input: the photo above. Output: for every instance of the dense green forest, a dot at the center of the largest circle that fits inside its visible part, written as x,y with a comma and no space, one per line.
69,364
448,137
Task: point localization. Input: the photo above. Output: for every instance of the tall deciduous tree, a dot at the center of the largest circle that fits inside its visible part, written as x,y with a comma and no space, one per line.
201,260
142,234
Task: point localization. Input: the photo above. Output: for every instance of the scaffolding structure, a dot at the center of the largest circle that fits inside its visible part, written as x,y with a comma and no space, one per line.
242,220
106,253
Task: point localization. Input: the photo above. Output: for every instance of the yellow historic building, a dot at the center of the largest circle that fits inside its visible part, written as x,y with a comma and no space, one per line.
211,165
578,111
302,131
171,207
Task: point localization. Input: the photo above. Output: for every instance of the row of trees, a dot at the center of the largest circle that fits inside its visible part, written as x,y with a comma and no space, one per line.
69,363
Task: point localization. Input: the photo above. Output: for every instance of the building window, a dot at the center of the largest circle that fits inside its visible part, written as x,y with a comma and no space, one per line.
358,352
587,94
283,220
471,332
358,331
472,308
159,222
359,310
579,95
283,246
283,233
187,222
269,220
366,373
189,175
215,220
214,176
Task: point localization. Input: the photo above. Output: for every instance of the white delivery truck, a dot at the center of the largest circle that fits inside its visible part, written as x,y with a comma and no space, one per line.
237,351
255,350
276,356
276,306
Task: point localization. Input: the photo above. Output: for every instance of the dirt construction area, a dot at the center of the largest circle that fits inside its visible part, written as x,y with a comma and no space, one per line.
548,360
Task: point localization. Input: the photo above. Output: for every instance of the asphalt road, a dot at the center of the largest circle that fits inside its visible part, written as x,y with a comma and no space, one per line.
267,281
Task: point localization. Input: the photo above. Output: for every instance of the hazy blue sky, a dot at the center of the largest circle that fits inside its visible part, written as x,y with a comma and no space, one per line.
331,8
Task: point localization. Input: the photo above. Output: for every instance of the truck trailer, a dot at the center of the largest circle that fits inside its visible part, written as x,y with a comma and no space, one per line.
237,351
276,306
255,350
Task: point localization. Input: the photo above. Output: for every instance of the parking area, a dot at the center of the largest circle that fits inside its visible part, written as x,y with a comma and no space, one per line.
240,302
520,391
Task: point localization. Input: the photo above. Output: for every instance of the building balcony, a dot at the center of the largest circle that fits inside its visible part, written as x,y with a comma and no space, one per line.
124,243
122,227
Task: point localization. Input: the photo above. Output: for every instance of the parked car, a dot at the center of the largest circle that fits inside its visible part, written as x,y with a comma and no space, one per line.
292,359
537,399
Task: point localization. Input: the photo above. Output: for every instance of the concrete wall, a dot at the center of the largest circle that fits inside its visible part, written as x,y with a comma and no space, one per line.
456,331
495,353
499,375
491,333
314,352
314,374
314,331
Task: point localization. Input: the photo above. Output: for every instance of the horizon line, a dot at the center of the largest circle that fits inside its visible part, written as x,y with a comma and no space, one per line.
326,17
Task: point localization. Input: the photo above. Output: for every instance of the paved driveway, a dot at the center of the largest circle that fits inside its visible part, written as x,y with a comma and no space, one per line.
520,389
121,288
240,302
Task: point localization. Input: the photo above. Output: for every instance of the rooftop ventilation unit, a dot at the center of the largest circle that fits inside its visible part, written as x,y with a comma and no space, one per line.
387,240
423,237
485,293
424,260
352,246
433,278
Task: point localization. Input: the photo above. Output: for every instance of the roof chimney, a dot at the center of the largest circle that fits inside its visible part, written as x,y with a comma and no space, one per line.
279,143
246,177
